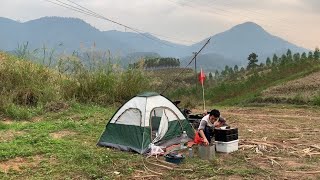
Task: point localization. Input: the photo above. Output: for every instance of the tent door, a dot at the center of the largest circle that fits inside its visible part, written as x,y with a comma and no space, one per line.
161,124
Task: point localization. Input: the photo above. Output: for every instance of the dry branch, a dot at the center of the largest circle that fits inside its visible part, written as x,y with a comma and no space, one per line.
146,176
315,146
304,172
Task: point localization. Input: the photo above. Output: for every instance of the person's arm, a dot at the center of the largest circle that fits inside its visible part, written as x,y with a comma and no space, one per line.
205,140
202,125
220,122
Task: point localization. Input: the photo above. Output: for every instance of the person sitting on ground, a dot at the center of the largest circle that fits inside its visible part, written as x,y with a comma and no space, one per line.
208,123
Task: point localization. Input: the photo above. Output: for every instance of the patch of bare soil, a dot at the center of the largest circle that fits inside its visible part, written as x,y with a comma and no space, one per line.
9,121
61,134
37,119
6,121
18,163
281,140
6,136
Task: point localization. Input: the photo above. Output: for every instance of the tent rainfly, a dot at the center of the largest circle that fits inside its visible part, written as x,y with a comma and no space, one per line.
146,119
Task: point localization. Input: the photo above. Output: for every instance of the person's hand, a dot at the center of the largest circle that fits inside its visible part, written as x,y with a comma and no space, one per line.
205,141
217,124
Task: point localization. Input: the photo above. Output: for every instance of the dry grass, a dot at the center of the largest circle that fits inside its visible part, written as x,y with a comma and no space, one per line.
9,135
306,88
19,163
61,134
279,139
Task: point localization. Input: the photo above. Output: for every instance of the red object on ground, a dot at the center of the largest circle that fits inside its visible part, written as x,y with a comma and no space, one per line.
197,138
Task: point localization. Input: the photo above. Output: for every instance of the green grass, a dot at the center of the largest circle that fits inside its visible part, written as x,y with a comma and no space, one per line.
76,156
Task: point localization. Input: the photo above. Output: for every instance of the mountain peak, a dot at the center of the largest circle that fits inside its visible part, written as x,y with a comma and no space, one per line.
7,20
56,19
247,26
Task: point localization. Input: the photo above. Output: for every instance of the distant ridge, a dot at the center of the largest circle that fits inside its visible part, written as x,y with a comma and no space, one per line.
231,46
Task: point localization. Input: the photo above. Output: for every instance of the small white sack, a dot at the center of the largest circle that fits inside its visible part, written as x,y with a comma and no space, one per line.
155,150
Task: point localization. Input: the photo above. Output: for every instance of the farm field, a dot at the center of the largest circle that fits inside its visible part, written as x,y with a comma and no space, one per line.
276,142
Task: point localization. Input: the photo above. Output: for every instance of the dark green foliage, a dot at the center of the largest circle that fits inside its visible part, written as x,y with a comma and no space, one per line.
268,62
275,60
310,55
316,54
253,59
296,57
210,76
303,56
236,68
289,55
156,63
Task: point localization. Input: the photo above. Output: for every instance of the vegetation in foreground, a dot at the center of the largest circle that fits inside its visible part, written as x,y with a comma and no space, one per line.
59,139
62,145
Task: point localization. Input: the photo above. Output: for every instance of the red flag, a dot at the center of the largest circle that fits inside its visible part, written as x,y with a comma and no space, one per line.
202,77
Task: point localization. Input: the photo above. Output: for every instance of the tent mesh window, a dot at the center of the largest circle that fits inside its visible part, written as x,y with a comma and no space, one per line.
159,122
130,116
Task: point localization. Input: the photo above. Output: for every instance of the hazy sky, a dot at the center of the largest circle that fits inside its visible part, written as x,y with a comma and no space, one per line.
297,21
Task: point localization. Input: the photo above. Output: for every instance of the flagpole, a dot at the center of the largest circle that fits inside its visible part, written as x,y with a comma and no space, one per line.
204,102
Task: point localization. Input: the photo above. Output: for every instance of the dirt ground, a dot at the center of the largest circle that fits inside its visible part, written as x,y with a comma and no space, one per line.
281,140
18,163
61,134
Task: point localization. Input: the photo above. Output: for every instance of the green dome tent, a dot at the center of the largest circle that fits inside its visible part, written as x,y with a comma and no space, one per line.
146,118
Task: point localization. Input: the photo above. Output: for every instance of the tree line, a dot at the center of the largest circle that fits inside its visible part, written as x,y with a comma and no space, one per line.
156,63
285,60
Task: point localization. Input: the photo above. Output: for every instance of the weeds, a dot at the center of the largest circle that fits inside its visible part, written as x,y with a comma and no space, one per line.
29,87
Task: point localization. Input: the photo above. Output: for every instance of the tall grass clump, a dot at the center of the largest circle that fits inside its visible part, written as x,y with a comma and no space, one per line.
105,83
27,87
316,100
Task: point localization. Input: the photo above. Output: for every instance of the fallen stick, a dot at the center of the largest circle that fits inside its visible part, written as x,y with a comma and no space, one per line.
139,171
146,176
160,165
261,143
271,144
169,168
145,167
165,162
152,171
304,172
246,146
315,146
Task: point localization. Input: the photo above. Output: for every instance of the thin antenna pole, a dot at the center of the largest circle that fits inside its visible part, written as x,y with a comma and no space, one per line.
187,65
195,68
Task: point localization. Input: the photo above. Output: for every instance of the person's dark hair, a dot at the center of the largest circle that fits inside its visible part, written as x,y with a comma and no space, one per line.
215,113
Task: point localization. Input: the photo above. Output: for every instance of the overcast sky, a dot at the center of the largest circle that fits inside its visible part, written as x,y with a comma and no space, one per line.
297,21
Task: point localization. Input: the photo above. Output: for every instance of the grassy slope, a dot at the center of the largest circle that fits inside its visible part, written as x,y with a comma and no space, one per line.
251,89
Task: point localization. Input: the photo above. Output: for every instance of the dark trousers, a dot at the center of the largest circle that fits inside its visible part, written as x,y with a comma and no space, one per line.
208,132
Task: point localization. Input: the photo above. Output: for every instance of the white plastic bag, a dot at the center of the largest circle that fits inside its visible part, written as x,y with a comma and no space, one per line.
155,150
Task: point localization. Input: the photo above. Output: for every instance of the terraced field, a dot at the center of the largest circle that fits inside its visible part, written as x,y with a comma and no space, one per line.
304,89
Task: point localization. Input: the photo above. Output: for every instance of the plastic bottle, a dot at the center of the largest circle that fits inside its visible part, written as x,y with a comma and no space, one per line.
190,152
184,140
